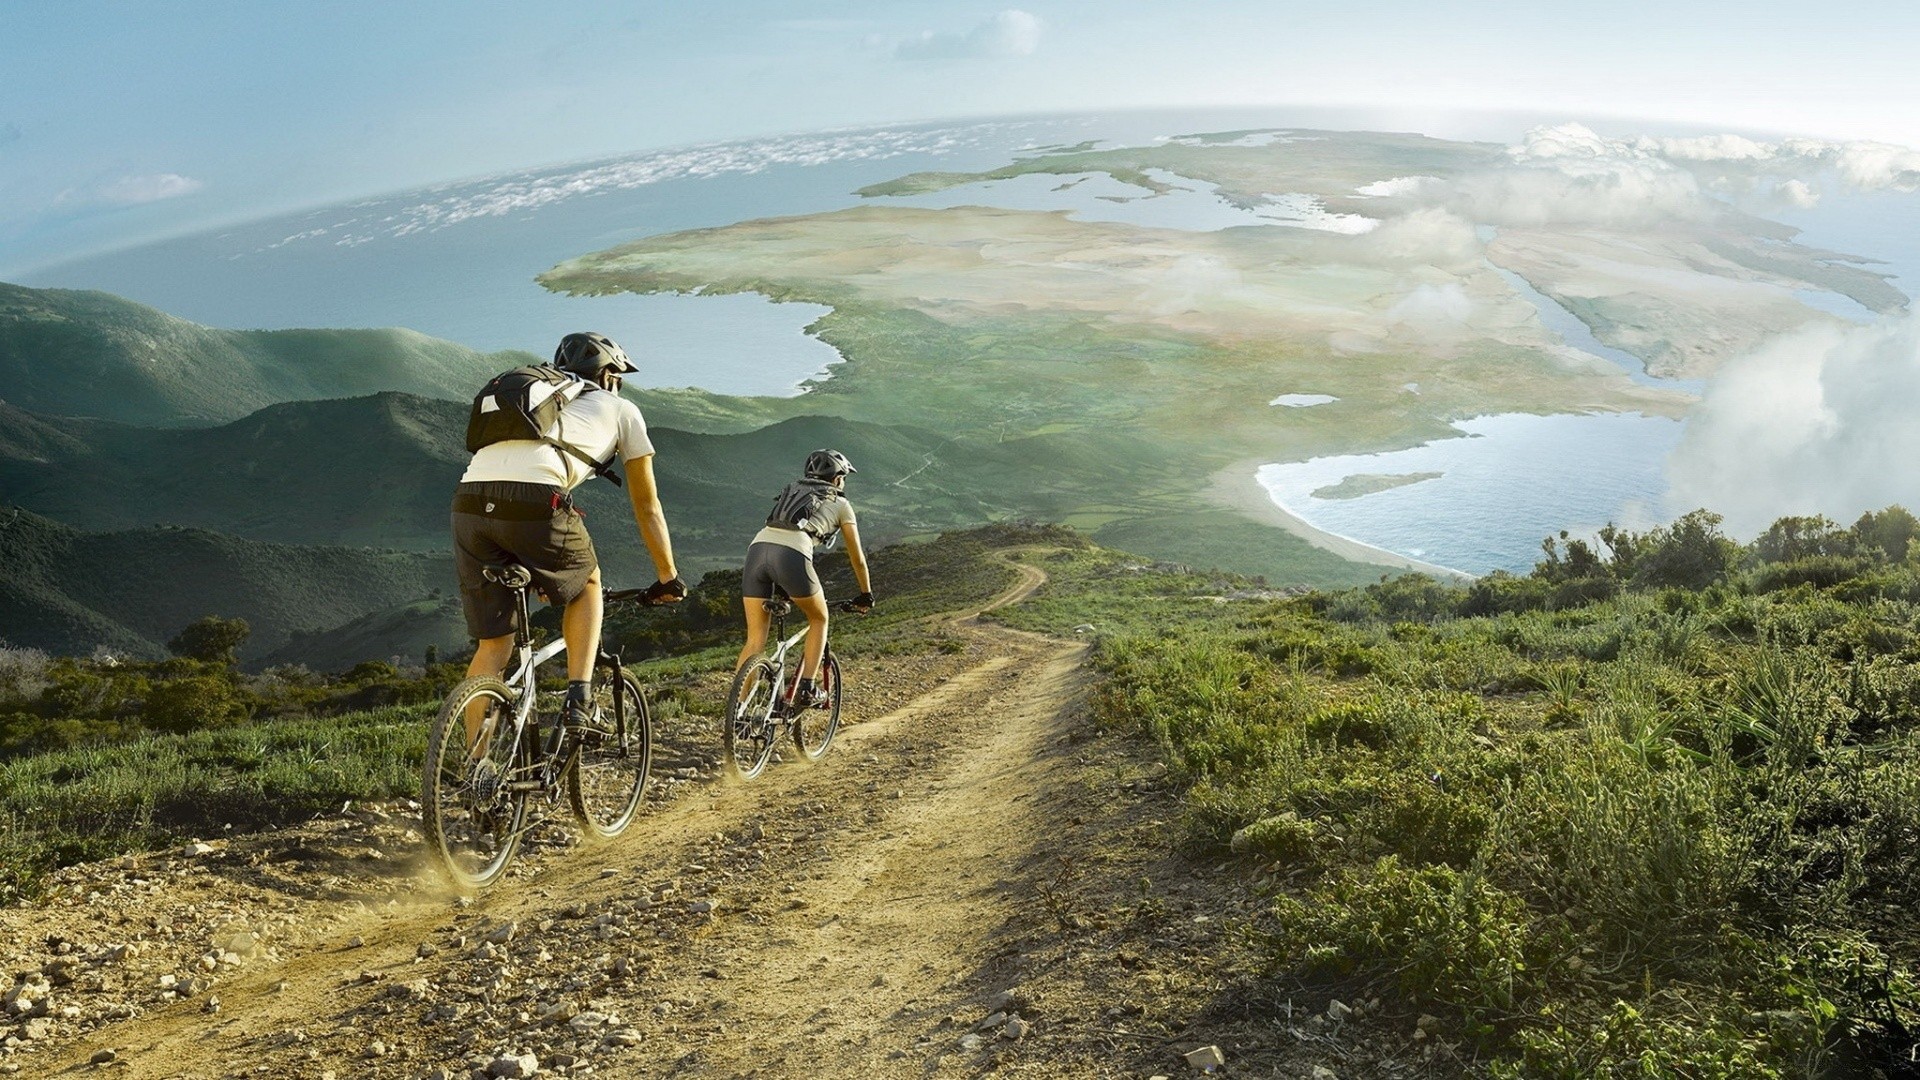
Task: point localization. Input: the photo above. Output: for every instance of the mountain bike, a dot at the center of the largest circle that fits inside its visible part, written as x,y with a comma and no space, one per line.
496,745
758,706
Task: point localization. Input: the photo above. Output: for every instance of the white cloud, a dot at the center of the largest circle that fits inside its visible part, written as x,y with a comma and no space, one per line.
1008,34
1430,236
1709,148
1570,175
132,190
1873,165
1817,421
1431,304
1796,193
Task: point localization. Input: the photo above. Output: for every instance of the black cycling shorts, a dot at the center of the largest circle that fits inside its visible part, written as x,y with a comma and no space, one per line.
498,521
777,564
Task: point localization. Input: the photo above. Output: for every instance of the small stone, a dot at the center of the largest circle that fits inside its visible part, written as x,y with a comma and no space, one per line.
622,1037
212,1005
426,949
1206,1059
197,849
515,1067
356,941
376,1049
503,933
1321,1072
36,1029
1015,1030
970,1041
993,1020
104,1057
1338,1010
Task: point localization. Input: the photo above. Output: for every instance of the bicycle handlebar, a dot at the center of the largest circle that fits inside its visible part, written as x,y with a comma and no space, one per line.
636,596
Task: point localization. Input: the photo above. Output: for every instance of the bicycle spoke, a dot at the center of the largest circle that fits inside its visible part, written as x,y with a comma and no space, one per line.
748,728
813,728
469,813
610,757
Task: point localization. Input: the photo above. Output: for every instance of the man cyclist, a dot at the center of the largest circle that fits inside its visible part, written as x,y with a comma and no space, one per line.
811,511
515,503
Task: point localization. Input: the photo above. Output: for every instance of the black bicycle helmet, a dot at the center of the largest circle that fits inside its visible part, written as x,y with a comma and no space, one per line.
588,354
827,464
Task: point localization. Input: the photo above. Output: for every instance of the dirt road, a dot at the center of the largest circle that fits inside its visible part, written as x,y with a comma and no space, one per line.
966,884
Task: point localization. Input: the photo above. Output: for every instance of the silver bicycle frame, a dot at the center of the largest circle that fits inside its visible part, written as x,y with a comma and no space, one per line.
525,684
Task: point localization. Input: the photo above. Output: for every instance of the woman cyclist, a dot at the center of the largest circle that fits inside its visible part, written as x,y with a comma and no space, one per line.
809,514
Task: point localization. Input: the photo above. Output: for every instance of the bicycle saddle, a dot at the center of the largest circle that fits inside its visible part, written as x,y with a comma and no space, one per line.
512,575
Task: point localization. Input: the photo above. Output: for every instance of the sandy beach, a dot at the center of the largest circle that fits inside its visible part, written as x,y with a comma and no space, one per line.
1237,488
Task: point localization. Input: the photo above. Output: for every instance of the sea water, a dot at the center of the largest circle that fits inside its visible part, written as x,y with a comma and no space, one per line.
1507,483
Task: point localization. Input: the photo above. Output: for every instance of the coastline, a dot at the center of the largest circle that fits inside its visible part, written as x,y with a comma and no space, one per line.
1238,488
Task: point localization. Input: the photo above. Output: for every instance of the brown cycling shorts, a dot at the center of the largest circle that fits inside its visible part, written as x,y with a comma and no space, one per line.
496,522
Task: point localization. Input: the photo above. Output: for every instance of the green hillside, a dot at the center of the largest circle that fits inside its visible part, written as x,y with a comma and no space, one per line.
405,630
379,470
76,353
68,591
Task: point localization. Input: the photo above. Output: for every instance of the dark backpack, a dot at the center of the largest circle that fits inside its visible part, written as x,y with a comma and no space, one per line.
525,403
808,505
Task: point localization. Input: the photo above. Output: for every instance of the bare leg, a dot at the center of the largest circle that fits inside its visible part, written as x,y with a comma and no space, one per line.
580,625
490,656
756,630
815,609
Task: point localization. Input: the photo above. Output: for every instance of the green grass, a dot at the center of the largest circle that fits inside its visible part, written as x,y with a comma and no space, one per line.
1671,833
92,802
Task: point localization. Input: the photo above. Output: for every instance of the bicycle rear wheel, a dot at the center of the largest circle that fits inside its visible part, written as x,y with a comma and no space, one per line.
471,819
747,727
607,772
813,728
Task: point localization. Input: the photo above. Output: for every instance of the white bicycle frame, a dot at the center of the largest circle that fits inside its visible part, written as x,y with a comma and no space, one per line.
779,662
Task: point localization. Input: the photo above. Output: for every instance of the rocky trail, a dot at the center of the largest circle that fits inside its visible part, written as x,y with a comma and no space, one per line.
975,880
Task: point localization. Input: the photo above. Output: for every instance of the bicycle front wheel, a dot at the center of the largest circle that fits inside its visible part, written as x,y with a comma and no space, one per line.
470,816
813,728
607,773
747,726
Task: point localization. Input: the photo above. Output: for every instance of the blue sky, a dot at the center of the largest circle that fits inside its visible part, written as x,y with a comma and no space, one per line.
120,121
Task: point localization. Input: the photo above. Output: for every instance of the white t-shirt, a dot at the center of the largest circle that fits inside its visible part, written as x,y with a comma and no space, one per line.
596,423
799,539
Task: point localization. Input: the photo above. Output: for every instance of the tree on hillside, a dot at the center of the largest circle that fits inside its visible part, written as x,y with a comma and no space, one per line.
1891,530
1692,553
1791,538
212,639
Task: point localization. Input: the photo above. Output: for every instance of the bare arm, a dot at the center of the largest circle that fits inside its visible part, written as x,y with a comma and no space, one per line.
650,517
851,533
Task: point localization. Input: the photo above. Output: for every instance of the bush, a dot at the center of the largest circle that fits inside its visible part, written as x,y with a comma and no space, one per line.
193,703
1439,935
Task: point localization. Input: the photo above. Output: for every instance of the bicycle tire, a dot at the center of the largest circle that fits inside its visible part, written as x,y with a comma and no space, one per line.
607,775
471,820
747,727
813,729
